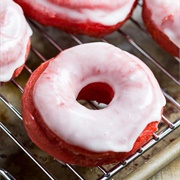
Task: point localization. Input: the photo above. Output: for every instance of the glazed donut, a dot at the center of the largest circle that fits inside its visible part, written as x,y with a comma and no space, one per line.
162,20
15,40
93,18
74,134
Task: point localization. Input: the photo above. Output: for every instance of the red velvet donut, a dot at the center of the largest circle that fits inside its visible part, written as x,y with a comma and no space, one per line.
73,134
15,40
93,18
162,20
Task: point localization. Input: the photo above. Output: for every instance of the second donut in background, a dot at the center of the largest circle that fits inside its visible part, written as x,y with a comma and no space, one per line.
92,18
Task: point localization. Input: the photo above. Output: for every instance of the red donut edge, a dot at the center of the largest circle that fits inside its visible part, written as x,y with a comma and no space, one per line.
46,140
157,34
71,26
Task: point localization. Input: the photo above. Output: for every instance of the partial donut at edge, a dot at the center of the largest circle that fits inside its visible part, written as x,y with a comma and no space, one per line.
157,34
18,70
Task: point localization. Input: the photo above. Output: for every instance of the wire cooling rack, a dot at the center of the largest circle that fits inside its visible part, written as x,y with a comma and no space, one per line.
129,42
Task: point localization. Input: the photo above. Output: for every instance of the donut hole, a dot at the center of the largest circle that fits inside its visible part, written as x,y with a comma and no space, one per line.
99,93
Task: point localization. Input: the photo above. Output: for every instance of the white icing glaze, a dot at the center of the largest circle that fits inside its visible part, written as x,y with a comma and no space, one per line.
104,12
166,15
137,100
14,37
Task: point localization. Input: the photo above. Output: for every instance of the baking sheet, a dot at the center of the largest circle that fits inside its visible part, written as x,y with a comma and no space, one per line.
13,159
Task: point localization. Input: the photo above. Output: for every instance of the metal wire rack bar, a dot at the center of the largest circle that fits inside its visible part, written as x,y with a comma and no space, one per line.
173,101
11,107
74,171
17,86
106,174
28,69
140,49
6,175
35,51
46,35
